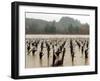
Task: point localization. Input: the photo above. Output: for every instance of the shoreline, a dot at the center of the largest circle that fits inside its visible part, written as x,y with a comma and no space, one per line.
55,36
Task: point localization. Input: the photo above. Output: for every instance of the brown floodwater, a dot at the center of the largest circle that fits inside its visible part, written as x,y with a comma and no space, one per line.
34,61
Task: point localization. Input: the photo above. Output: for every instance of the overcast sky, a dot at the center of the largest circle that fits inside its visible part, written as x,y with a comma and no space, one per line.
57,17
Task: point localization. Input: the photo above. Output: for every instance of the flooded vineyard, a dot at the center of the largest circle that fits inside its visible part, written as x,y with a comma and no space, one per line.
56,51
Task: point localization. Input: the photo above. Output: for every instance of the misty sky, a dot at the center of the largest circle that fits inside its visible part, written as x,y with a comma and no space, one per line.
57,17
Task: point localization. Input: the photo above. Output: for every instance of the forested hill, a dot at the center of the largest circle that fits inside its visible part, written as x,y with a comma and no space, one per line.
65,25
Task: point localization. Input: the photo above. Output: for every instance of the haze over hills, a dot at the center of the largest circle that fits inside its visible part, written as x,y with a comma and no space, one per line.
66,25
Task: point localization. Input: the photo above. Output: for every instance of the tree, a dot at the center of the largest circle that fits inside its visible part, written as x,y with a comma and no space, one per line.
76,30
46,29
53,28
70,29
84,29
50,29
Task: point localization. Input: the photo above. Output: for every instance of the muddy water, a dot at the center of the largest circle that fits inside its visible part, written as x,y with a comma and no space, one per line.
33,61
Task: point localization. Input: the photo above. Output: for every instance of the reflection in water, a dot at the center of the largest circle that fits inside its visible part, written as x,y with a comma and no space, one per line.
86,61
72,61
53,52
